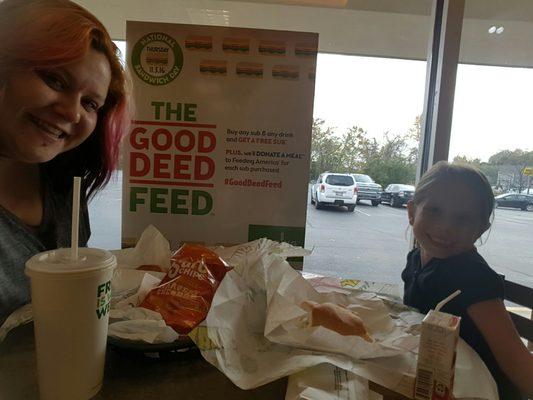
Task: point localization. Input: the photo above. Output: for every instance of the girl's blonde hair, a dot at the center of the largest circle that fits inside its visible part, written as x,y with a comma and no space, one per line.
443,172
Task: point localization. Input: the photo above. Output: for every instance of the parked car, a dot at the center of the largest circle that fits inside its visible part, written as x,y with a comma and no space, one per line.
515,200
334,189
368,189
397,194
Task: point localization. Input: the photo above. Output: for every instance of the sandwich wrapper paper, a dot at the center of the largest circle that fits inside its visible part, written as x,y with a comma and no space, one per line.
129,287
152,249
261,334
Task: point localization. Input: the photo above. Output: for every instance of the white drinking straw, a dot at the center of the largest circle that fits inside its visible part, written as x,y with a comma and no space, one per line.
447,299
75,218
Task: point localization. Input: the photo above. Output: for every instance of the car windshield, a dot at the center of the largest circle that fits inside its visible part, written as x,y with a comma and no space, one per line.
339,180
363,178
406,187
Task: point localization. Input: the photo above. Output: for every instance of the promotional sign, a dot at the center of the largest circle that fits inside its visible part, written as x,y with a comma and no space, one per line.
218,150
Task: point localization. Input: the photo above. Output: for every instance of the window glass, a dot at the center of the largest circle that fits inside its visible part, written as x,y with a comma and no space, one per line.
406,187
339,180
363,178
106,207
369,93
492,120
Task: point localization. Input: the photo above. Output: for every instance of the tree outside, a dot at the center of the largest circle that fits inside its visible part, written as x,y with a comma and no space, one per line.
391,161
394,159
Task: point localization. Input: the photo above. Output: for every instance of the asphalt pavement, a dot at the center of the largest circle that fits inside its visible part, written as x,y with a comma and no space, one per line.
370,243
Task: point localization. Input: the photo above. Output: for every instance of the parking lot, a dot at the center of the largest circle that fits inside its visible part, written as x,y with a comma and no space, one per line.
370,243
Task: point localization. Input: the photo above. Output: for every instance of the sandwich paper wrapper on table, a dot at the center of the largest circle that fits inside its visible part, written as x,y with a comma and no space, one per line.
151,249
261,334
130,286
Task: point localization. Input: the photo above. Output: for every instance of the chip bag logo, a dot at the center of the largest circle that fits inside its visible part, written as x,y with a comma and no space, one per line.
196,269
157,59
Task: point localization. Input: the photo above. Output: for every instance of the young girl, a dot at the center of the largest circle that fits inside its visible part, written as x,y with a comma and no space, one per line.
450,210
62,114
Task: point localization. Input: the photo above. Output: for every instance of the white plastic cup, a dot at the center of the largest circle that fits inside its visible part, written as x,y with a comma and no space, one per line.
70,300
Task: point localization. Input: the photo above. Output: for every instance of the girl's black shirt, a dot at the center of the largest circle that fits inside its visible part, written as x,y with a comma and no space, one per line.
469,272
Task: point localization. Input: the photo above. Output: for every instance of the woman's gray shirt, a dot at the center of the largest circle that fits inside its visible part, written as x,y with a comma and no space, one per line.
19,242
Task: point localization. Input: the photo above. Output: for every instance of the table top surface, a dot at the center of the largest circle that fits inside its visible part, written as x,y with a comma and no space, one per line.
130,375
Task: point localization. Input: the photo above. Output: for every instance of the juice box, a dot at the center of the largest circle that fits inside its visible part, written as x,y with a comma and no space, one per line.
436,356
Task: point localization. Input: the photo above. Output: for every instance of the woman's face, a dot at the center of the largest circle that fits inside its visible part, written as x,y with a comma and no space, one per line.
44,113
448,222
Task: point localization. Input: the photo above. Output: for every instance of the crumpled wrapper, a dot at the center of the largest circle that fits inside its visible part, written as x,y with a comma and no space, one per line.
258,331
141,324
19,317
151,249
287,323
130,286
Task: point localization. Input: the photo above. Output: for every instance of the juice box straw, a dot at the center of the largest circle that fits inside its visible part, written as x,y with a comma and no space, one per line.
447,299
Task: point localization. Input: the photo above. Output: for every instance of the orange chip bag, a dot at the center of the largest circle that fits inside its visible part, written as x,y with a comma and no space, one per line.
184,295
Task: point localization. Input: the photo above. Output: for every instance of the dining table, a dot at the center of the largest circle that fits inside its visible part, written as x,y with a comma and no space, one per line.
132,374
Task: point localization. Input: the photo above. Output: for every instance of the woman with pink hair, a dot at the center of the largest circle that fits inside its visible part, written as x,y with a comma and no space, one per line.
63,111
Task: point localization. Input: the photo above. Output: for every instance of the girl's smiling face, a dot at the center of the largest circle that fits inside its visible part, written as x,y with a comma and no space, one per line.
448,221
46,112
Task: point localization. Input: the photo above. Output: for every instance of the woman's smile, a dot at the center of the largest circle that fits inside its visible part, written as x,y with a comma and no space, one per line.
46,112
51,131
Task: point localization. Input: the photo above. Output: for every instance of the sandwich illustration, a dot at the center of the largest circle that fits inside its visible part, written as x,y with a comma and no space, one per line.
249,69
157,55
201,43
291,72
236,45
272,47
305,49
214,67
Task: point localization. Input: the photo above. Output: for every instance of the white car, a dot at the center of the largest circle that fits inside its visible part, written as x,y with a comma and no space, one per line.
334,189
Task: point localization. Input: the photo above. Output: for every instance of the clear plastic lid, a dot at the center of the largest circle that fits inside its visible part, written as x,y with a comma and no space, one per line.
59,262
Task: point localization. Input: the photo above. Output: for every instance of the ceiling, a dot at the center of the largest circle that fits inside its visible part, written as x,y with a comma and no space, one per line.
516,10
381,28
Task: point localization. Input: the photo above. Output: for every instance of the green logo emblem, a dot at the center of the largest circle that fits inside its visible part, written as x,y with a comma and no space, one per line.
157,59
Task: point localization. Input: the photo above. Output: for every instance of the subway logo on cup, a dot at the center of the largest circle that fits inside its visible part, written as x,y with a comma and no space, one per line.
103,299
